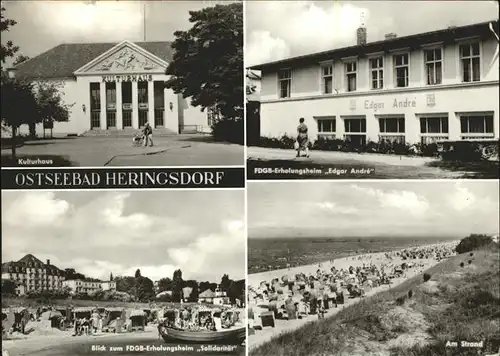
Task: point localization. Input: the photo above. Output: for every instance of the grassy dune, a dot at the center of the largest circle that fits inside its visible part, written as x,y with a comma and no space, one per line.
456,304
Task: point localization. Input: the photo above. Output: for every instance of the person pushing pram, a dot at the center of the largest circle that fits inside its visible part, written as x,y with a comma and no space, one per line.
142,139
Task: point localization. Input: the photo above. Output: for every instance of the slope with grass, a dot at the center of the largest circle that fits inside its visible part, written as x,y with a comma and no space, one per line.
459,302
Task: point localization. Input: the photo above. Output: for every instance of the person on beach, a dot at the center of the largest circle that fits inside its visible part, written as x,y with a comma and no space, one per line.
95,321
302,138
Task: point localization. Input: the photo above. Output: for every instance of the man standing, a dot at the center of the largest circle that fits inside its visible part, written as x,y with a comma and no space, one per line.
148,135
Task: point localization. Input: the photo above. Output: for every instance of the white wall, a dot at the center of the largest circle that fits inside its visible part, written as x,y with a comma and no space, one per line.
281,117
306,81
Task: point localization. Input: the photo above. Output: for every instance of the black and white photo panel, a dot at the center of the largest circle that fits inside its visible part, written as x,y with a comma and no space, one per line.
145,83
373,268
372,90
123,273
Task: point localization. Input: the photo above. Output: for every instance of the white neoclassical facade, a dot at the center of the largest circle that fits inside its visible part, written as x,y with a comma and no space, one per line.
114,87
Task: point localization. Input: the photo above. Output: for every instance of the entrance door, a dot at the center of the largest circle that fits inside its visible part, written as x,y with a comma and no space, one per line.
111,106
142,93
159,103
95,106
127,104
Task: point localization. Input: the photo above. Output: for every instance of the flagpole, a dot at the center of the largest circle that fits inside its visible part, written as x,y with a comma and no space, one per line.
144,20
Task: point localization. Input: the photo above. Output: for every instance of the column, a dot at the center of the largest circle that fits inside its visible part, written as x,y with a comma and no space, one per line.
102,92
454,127
135,106
151,103
339,127
119,109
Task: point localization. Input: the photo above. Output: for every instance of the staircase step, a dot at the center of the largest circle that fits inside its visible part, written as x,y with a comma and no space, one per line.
126,133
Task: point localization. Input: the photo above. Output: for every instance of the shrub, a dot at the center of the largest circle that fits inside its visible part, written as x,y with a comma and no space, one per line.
470,261
473,242
461,264
471,254
427,277
401,300
410,293
229,130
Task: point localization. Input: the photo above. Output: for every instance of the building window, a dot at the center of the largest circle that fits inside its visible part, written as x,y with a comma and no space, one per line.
327,127
470,61
401,70
433,129
355,131
350,74
327,79
285,82
392,129
392,125
480,126
433,66
377,70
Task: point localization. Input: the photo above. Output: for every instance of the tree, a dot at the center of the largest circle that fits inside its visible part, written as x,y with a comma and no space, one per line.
236,290
8,287
207,285
144,289
111,277
225,282
138,273
473,242
193,297
164,284
20,59
207,66
18,107
51,104
177,285
7,50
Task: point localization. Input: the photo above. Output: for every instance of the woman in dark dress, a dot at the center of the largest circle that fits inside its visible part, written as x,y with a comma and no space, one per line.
302,138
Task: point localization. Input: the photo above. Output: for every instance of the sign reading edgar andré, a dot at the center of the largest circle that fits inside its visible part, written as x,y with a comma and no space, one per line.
377,105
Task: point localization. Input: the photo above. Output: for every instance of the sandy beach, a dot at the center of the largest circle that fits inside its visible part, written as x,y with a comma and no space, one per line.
387,259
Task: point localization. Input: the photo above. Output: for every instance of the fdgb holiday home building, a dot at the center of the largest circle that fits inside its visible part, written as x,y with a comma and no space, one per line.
435,86
114,87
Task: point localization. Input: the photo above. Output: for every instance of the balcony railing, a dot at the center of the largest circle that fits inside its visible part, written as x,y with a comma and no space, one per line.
184,129
477,136
427,139
391,137
327,135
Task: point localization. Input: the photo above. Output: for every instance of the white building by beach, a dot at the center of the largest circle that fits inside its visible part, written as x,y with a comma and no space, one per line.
428,87
84,286
114,87
31,274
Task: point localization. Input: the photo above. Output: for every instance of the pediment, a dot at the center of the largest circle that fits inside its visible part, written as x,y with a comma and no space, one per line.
124,58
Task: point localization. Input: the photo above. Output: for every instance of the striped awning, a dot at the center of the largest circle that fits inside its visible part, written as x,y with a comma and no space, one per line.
137,312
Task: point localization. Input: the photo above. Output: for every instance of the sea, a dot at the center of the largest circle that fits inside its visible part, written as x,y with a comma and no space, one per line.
266,254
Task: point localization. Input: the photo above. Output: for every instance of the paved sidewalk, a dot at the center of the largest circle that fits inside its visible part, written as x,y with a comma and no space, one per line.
319,164
119,151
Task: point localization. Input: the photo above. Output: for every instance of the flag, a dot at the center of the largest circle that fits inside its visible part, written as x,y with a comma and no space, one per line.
495,56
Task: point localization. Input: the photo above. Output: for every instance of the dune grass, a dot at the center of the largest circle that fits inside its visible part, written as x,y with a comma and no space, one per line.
456,303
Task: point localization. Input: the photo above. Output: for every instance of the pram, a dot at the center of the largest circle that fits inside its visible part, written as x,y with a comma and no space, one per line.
138,140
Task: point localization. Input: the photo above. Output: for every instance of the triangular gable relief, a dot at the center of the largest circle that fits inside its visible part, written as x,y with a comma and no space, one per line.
124,58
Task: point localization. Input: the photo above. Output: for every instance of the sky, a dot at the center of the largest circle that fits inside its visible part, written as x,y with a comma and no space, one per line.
276,30
98,233
42,25
373,209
